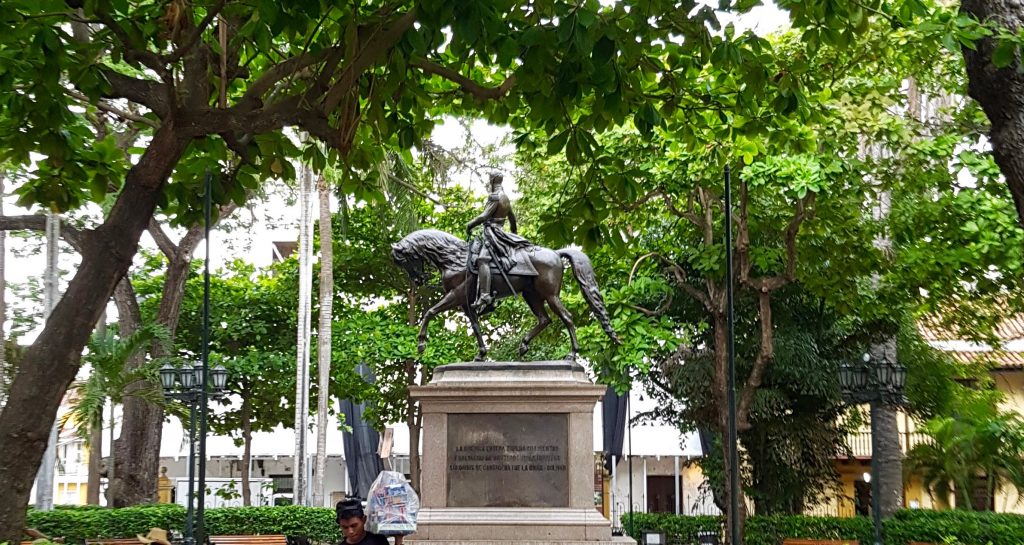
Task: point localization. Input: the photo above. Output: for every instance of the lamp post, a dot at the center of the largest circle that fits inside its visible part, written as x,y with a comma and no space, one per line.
878,383
186,384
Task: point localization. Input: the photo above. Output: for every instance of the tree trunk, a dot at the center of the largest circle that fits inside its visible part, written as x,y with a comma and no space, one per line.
92,490
721,339
890,458
323,343
245,414
138,450
51,362
1000,91
143,422
136,457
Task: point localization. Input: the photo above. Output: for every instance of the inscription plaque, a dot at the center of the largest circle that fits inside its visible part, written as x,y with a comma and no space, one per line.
508,460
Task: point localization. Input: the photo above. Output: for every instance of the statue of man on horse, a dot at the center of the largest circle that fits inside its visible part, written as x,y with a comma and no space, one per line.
495,247
525,269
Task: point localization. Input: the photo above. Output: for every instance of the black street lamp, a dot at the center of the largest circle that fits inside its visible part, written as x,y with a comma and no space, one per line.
186,384
880,382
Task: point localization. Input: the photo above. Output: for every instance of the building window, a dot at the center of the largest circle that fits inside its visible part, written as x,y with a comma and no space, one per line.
283,484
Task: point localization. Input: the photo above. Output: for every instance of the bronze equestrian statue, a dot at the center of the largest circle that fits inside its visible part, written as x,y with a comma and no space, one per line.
495,246
506,265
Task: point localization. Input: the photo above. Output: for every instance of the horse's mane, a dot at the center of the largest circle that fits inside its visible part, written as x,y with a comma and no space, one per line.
444,250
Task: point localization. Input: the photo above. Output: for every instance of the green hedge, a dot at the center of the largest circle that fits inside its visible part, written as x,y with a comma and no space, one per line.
77,525
969,528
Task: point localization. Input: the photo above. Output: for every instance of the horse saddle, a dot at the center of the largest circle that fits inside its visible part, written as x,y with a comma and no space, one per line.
522,265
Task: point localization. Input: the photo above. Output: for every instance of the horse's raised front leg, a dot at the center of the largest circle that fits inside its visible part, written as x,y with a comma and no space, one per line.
448,302
536,304
563,314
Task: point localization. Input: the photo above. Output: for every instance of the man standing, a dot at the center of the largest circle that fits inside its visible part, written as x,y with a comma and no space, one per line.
352,521
496,245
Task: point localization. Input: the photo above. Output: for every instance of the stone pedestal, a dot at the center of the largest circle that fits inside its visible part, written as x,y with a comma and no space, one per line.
508,456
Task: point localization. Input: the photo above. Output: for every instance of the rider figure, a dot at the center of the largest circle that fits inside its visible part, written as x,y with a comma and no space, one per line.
497,244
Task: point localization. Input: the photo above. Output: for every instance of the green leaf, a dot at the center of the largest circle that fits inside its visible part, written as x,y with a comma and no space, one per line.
1004,53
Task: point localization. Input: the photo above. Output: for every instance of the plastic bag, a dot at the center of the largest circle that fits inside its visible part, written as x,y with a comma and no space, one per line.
392,505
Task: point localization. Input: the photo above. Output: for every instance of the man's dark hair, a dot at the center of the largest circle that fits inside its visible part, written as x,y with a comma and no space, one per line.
348,508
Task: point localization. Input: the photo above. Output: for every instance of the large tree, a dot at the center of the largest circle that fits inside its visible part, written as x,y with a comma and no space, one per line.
202,78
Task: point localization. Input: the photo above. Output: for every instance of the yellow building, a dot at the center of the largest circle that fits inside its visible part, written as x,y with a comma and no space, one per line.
1007,371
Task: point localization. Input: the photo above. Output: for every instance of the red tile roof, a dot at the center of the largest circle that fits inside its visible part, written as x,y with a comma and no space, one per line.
1010,329
1001,359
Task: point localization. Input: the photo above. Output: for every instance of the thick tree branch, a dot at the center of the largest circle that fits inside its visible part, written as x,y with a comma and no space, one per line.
743,235
163,241
112,109
479,91
193,37
37,222
369,54
292,66
150,94
680,277
195,80
764,356
804,210
133,52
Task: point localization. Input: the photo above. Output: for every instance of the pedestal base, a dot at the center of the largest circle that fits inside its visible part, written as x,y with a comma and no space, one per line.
508,456
486,523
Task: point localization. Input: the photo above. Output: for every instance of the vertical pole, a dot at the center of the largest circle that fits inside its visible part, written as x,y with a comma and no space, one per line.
615,488
643,487
629,455
205,355
876,482
675,479
191,497
732,439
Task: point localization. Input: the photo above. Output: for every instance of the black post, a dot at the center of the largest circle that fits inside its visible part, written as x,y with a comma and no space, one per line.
203,398
629,430
190,511
733,439
876,481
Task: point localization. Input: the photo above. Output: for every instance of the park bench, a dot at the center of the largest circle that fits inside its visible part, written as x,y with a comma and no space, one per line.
113,541
795,541
249,540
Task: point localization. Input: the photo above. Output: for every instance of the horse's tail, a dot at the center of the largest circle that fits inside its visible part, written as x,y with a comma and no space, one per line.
584,273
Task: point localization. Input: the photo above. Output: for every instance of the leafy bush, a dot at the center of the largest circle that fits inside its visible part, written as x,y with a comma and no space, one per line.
772,530
678,529
77,525
967,527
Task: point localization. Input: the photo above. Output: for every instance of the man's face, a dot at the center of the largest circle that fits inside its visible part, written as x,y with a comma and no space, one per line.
353,528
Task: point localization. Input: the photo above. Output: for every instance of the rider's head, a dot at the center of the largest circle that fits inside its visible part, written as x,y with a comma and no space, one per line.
495,180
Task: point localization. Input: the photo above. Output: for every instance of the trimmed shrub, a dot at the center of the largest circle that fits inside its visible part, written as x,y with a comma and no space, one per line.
967,527
678,529
77,525
771,530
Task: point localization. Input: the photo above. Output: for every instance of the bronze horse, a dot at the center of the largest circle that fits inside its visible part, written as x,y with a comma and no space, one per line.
450,255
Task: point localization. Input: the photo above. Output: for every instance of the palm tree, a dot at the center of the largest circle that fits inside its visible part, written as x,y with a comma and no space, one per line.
323,348
983,443
106,355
